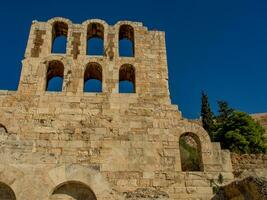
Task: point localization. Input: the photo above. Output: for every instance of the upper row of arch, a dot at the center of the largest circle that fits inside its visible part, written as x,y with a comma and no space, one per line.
97,29
100,21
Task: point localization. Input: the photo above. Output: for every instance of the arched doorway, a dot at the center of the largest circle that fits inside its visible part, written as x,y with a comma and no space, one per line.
73,190
190,152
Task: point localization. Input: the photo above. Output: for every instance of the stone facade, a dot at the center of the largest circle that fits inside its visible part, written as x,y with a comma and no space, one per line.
108,145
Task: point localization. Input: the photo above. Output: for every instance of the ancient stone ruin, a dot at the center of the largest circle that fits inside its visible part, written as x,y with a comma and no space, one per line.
108,145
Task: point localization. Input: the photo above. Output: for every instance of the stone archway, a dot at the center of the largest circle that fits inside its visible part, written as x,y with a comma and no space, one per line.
190,152
6,193
73,190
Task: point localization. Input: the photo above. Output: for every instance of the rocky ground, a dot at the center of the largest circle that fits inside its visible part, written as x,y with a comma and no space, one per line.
250,188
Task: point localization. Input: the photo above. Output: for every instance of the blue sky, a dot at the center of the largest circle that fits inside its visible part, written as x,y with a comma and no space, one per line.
217,46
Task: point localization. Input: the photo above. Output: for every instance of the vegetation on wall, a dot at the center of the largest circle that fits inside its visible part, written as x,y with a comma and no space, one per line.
235,130
190,155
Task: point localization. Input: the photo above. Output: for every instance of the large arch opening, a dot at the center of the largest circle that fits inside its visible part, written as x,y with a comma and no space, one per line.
6,193
95,39
59,37
127,79
54,76
190,152
126,41
73,190
93,77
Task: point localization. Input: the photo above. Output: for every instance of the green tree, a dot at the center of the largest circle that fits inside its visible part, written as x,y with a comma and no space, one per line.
224,111
238,132
207,116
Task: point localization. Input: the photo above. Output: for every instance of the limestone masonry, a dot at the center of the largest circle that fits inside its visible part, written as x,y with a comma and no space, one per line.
108,145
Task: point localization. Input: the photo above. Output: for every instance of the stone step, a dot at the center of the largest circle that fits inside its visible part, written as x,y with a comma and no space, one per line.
192,193
192,190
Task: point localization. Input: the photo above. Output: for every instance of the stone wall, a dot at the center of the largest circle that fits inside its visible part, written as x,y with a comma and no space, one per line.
249,164
117,146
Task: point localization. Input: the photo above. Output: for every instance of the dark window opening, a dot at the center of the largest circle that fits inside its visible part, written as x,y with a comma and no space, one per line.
127,79
59,37
93,78
95,39
54,76
190,152
126,41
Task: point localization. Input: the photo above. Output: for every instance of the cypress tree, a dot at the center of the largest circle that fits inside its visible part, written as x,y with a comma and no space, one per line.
207,116
224,111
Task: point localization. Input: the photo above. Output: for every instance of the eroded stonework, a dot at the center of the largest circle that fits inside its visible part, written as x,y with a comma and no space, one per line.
108,145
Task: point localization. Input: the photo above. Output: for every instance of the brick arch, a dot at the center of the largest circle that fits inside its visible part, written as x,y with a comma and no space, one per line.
127,72
6,192
196,144
104,35
3,127
95,30
11,178
59,19
81,174
204,140
127,32
59,27
10,123
74,189
43,67
93,70
3,132
125,22
99,21
60,58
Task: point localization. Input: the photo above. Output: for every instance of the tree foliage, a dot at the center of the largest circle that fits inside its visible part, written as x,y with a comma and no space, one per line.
240,133
235,130
207,116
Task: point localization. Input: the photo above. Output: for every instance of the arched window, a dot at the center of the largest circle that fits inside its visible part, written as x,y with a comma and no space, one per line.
54,76
190,152
93,77
6,193
127,79
95,39
59,37
73,190
126,41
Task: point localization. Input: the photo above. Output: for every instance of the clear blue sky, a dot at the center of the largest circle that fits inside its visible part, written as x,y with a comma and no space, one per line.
219,46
